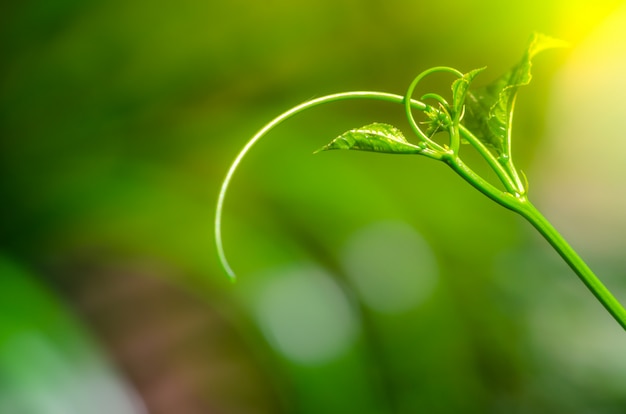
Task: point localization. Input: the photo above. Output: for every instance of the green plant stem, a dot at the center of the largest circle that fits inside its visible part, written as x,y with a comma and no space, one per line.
407,103
522,206
505,177
611,304
514,198
380,96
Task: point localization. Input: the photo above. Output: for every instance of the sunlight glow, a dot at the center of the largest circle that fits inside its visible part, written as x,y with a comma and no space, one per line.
581,166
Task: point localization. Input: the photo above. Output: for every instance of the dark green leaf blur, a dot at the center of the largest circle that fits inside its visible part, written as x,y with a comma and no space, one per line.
367,283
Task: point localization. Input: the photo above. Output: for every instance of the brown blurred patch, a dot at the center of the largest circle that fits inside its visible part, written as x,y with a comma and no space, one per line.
178,348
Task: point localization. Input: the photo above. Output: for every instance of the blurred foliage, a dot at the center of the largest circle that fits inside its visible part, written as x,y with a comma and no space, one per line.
48,362
118,120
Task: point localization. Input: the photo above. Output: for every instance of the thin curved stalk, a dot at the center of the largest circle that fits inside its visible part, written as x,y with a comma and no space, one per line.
407,104
381,96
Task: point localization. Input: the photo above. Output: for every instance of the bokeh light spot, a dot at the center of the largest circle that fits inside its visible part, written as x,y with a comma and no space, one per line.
306,315
391,266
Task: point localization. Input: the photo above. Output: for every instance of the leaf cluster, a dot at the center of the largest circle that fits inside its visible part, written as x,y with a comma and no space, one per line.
481,117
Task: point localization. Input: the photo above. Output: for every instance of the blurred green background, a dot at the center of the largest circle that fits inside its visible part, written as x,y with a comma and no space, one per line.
368,283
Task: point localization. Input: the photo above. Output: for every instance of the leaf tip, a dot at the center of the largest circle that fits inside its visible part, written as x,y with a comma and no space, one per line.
324,148
540,42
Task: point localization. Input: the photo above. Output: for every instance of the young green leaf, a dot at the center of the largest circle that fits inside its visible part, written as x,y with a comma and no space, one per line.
460,88
375,137
489,109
